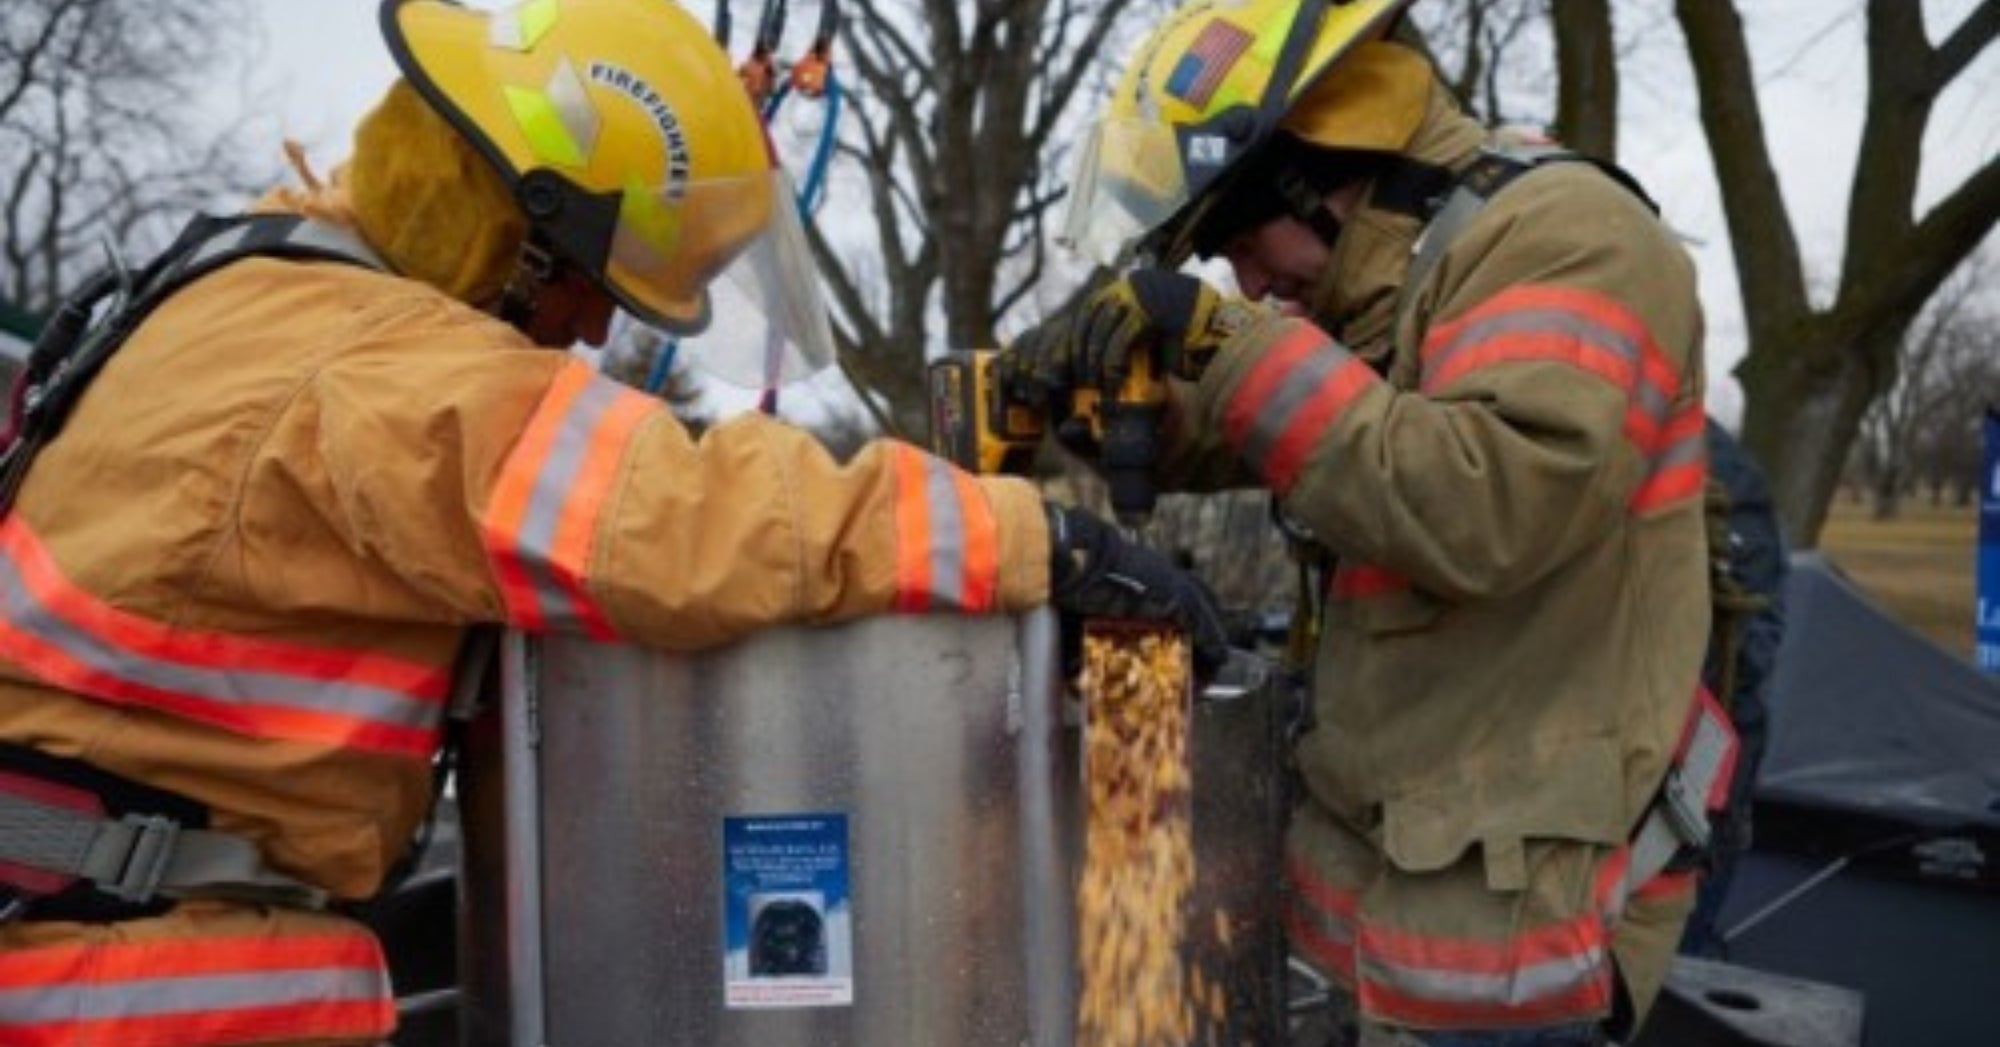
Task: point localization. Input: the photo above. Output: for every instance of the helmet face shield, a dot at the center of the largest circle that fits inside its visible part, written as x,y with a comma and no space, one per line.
1205,90
1128,183
635,155
764,322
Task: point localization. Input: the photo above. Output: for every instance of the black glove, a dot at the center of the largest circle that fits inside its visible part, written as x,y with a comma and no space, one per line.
1096,573
1090,343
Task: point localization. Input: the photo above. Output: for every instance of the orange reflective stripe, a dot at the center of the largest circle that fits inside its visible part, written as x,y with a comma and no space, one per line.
172,957
69,638
1320,920
1529,306
541,522
360,1021
981,585
1677,469
1559,971
1354,581
1333,955
1291,396
515,486
1597,335
913,530
1666,885
1587,1001
196,990
1534,346
947,537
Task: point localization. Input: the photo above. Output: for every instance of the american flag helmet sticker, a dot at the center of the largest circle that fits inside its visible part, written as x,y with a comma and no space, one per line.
1207,61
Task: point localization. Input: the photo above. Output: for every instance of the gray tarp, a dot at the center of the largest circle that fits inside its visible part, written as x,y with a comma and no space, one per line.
1868,715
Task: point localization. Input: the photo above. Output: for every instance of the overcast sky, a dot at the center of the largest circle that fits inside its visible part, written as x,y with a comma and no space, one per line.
325,66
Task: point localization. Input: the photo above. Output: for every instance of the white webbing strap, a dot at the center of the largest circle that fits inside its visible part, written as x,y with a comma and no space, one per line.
138,857
1696,783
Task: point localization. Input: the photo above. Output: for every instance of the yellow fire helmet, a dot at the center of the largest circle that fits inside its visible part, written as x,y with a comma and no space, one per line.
1207,87
633,150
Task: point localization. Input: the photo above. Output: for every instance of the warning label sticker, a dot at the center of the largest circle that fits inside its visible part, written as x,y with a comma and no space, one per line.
787,924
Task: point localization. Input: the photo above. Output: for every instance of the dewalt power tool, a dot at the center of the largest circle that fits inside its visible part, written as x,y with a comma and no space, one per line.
978,426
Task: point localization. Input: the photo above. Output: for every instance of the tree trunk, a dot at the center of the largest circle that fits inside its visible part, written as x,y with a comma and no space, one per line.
1810,374
1586,77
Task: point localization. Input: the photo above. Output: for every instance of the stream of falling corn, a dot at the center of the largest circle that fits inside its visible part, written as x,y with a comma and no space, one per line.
1138,990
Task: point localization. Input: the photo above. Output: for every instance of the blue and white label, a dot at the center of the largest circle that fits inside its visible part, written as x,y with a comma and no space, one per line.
1987,612
787,921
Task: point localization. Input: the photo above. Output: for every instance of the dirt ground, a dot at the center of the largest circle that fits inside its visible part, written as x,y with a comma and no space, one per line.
1920,566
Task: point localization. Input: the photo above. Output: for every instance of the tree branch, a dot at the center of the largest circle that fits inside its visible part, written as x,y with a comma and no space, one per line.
1925,257
1965,43
1771,281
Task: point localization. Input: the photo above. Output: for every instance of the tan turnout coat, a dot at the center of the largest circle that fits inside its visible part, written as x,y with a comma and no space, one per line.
1511,481
243,570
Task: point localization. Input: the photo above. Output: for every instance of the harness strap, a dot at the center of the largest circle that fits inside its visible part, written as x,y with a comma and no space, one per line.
1491,171
1678,825
138,857
95,322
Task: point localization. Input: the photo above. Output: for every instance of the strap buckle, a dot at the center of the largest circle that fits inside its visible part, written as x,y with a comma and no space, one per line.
1686,810
149,852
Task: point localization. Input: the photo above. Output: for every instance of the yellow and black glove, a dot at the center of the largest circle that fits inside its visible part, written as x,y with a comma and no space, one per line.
1092,343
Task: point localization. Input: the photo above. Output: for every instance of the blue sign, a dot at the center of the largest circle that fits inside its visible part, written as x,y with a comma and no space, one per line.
1989,548
787,921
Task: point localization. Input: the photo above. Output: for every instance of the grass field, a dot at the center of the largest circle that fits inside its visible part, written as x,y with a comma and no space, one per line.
1920,566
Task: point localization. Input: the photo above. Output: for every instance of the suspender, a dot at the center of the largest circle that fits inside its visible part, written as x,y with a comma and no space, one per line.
92,324
1493,170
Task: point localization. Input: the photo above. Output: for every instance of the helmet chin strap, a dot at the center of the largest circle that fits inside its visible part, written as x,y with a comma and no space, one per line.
1308,204
534,268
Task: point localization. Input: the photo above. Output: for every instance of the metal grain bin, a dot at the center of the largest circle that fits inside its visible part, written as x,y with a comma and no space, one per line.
865,835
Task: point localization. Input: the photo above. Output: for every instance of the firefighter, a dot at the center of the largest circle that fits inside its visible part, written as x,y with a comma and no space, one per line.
1472,373
233,585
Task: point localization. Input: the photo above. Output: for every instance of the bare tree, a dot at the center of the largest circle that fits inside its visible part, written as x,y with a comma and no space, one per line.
961,111
1477,46
1586,76
1811,373
102,133
1910,429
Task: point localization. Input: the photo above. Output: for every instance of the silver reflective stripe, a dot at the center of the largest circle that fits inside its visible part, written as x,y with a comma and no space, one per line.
550,495
1526,984
1301,385
1332,928
1688,450
1534,321
572,106
235,687
947,534
191,994
1655,401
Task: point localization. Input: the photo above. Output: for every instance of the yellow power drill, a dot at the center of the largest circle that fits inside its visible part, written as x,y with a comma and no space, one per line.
978,426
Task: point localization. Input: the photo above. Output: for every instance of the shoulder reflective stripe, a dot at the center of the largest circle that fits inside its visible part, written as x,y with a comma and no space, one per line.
947,539
1596,334
1291,396
204,990
266,688
1531,334
1677,471
541,523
